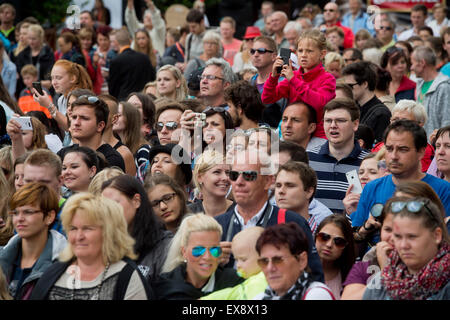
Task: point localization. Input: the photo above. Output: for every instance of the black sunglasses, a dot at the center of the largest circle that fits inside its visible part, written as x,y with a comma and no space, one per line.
352,84
171,125
260,51
385,28
325,237
247,175
216,109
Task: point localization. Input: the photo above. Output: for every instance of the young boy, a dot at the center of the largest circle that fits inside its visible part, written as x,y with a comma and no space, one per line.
26,102
243,247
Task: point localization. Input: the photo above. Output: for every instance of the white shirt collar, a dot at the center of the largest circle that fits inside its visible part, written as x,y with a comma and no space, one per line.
253,221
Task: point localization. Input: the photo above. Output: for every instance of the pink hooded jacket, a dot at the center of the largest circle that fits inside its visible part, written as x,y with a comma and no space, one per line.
315,87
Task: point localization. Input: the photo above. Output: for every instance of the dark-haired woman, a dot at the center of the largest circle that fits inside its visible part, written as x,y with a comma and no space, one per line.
79,166
152,240
336,249
396,62
70,48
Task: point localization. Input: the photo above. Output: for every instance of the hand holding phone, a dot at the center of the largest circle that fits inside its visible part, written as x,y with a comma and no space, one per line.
353,178
25,122
285,54
38,87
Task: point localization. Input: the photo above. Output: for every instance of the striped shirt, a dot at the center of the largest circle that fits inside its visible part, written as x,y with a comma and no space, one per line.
331,179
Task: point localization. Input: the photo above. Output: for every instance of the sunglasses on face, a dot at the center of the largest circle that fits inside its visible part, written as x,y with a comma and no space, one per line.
198,251
216,109
171,125
260,51
325,237
385,28
165,198
247,175
352,84
276,261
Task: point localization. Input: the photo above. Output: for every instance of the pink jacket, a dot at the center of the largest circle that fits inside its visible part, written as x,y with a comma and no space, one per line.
316,88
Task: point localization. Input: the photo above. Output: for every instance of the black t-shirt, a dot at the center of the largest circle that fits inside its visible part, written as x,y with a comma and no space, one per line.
112,156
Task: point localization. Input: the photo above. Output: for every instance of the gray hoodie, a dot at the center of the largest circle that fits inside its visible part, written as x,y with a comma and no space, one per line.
436,103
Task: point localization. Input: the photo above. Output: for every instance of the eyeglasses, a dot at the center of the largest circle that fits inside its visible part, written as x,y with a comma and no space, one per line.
209,77
171,125
198,251
329,10
26,212
247,175
276,261
412,206
352,84
165,198
249,39
338,121
260,51
385,28
216,109
325,237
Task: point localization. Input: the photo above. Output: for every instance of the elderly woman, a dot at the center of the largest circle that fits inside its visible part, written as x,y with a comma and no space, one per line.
35,247
283,257
212,47
96,265
419,266
192,269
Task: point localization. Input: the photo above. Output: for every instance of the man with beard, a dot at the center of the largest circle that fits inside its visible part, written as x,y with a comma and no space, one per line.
405,143
245,106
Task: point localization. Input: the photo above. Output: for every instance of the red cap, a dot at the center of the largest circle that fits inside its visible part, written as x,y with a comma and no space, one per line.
252,32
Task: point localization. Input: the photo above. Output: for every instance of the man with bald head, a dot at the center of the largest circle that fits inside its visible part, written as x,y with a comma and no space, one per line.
277,23
331,16
251,182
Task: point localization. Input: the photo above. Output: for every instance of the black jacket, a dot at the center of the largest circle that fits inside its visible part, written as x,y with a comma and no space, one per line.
375,115
45,62
313,258
129,72
173,286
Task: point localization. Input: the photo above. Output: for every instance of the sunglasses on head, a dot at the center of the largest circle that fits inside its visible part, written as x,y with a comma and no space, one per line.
325,237
247,175
198,251
276,261
413,206
260,51
91,99
171,125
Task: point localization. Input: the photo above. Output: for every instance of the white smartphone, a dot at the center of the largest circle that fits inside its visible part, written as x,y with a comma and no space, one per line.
25,123
353,178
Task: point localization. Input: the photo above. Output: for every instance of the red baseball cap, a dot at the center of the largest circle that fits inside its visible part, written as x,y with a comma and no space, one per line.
252,32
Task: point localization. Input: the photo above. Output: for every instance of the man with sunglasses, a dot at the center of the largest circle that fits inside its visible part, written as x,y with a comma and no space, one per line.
89,118
385,33
331,17
250,187
405,142
263,56
168,119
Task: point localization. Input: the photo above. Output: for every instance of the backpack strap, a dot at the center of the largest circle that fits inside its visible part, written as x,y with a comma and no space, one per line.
124,279
281,216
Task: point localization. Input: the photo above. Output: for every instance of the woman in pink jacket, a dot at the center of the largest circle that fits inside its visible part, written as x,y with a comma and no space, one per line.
310,84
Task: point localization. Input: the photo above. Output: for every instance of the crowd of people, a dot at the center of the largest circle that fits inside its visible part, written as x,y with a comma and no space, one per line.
309,160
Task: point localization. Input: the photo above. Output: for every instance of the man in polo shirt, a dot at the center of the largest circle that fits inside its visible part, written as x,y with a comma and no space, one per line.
89,118
339,155
43,166
405,142
250,186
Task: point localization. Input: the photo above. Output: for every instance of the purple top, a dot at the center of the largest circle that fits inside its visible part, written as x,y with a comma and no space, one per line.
358,273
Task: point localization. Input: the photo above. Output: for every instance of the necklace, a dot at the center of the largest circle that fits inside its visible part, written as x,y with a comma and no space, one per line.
96,296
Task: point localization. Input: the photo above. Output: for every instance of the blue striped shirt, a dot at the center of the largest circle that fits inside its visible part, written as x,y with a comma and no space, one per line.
331,179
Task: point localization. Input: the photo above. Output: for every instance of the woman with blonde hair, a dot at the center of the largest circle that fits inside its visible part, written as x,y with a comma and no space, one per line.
99,253
170,83
334,63
95,187
143,43
212,182
192,269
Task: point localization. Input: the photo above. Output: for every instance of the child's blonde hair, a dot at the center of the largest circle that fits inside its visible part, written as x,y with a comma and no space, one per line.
29,70
315,35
